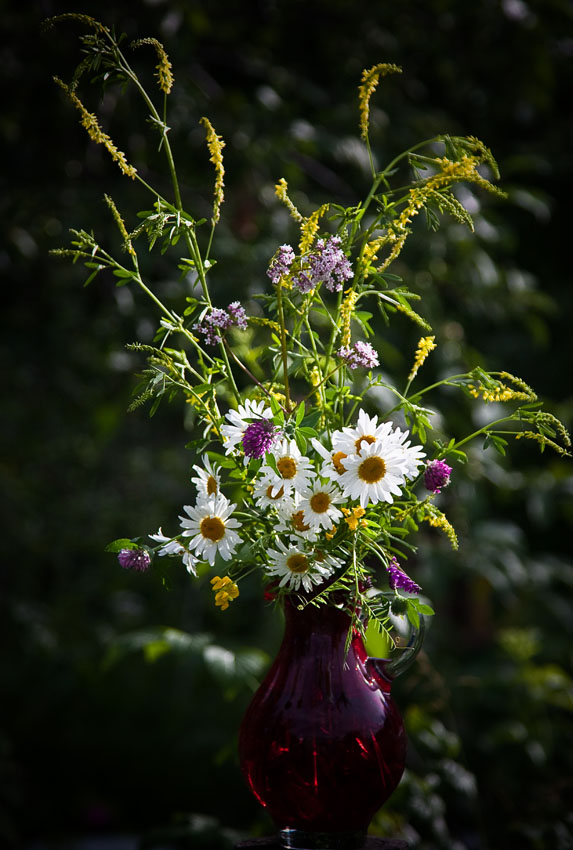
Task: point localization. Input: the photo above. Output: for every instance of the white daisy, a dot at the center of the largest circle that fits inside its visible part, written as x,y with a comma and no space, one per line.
376,474
207,480
294,471
295,567
292,521
319,506
332,467
173,547
367,431
210,528
413,455
264,498
240,420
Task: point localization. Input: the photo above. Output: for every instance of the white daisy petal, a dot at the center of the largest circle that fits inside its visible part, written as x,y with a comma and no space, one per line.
319,506
210,527
379,471
207,480
294,472
295,567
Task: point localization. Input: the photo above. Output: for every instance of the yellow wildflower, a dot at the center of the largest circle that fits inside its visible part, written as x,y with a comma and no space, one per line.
163,68
281,190
370,78
353,517
346,310
82,19
225,591
121,225
309,229
215,144
425,345
91,124
262,320
543,441
437,519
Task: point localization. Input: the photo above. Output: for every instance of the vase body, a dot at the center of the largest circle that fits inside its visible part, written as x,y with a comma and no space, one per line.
322,744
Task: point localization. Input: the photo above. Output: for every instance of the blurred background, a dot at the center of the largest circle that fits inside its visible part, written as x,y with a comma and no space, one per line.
120,700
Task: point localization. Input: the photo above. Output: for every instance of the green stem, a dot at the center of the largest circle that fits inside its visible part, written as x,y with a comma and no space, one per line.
284,353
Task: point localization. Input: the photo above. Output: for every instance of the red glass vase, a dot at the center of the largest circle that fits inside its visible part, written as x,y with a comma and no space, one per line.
322,745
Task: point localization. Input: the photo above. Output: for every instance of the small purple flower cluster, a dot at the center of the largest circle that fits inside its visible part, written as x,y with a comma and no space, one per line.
259,438
399,580
134,559
437,475
220,320
281,264
361,354
329,265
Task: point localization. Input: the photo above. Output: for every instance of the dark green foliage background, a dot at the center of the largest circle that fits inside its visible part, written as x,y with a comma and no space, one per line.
92,741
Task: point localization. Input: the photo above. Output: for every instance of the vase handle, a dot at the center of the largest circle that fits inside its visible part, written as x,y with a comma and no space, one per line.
407,655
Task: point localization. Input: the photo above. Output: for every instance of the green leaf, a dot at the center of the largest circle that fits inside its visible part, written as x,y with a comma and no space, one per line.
121,543
376,640
307,432
275,406
299,413
300,441
311,420
412,613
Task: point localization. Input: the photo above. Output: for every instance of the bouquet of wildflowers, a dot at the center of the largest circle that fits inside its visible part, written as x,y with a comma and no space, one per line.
294,477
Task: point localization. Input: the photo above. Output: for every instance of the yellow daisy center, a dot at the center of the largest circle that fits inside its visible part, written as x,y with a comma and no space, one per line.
212,528
297,521
211,486
278,495
372,470
366,438
297,563
287,467
320,502
336,458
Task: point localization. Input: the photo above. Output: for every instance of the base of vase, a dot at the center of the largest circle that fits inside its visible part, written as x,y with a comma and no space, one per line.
301,839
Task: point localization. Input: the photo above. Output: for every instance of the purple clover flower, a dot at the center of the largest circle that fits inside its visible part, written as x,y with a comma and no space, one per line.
437,475
220,320
134,559
280,265
399,580
361,354
258,438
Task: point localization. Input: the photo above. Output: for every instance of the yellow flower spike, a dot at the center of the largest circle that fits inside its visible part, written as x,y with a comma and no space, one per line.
82,19
346,310
163,68
96,134
425,345
437,519
370,79
309,229
215,144
121,225
397,245
281,189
